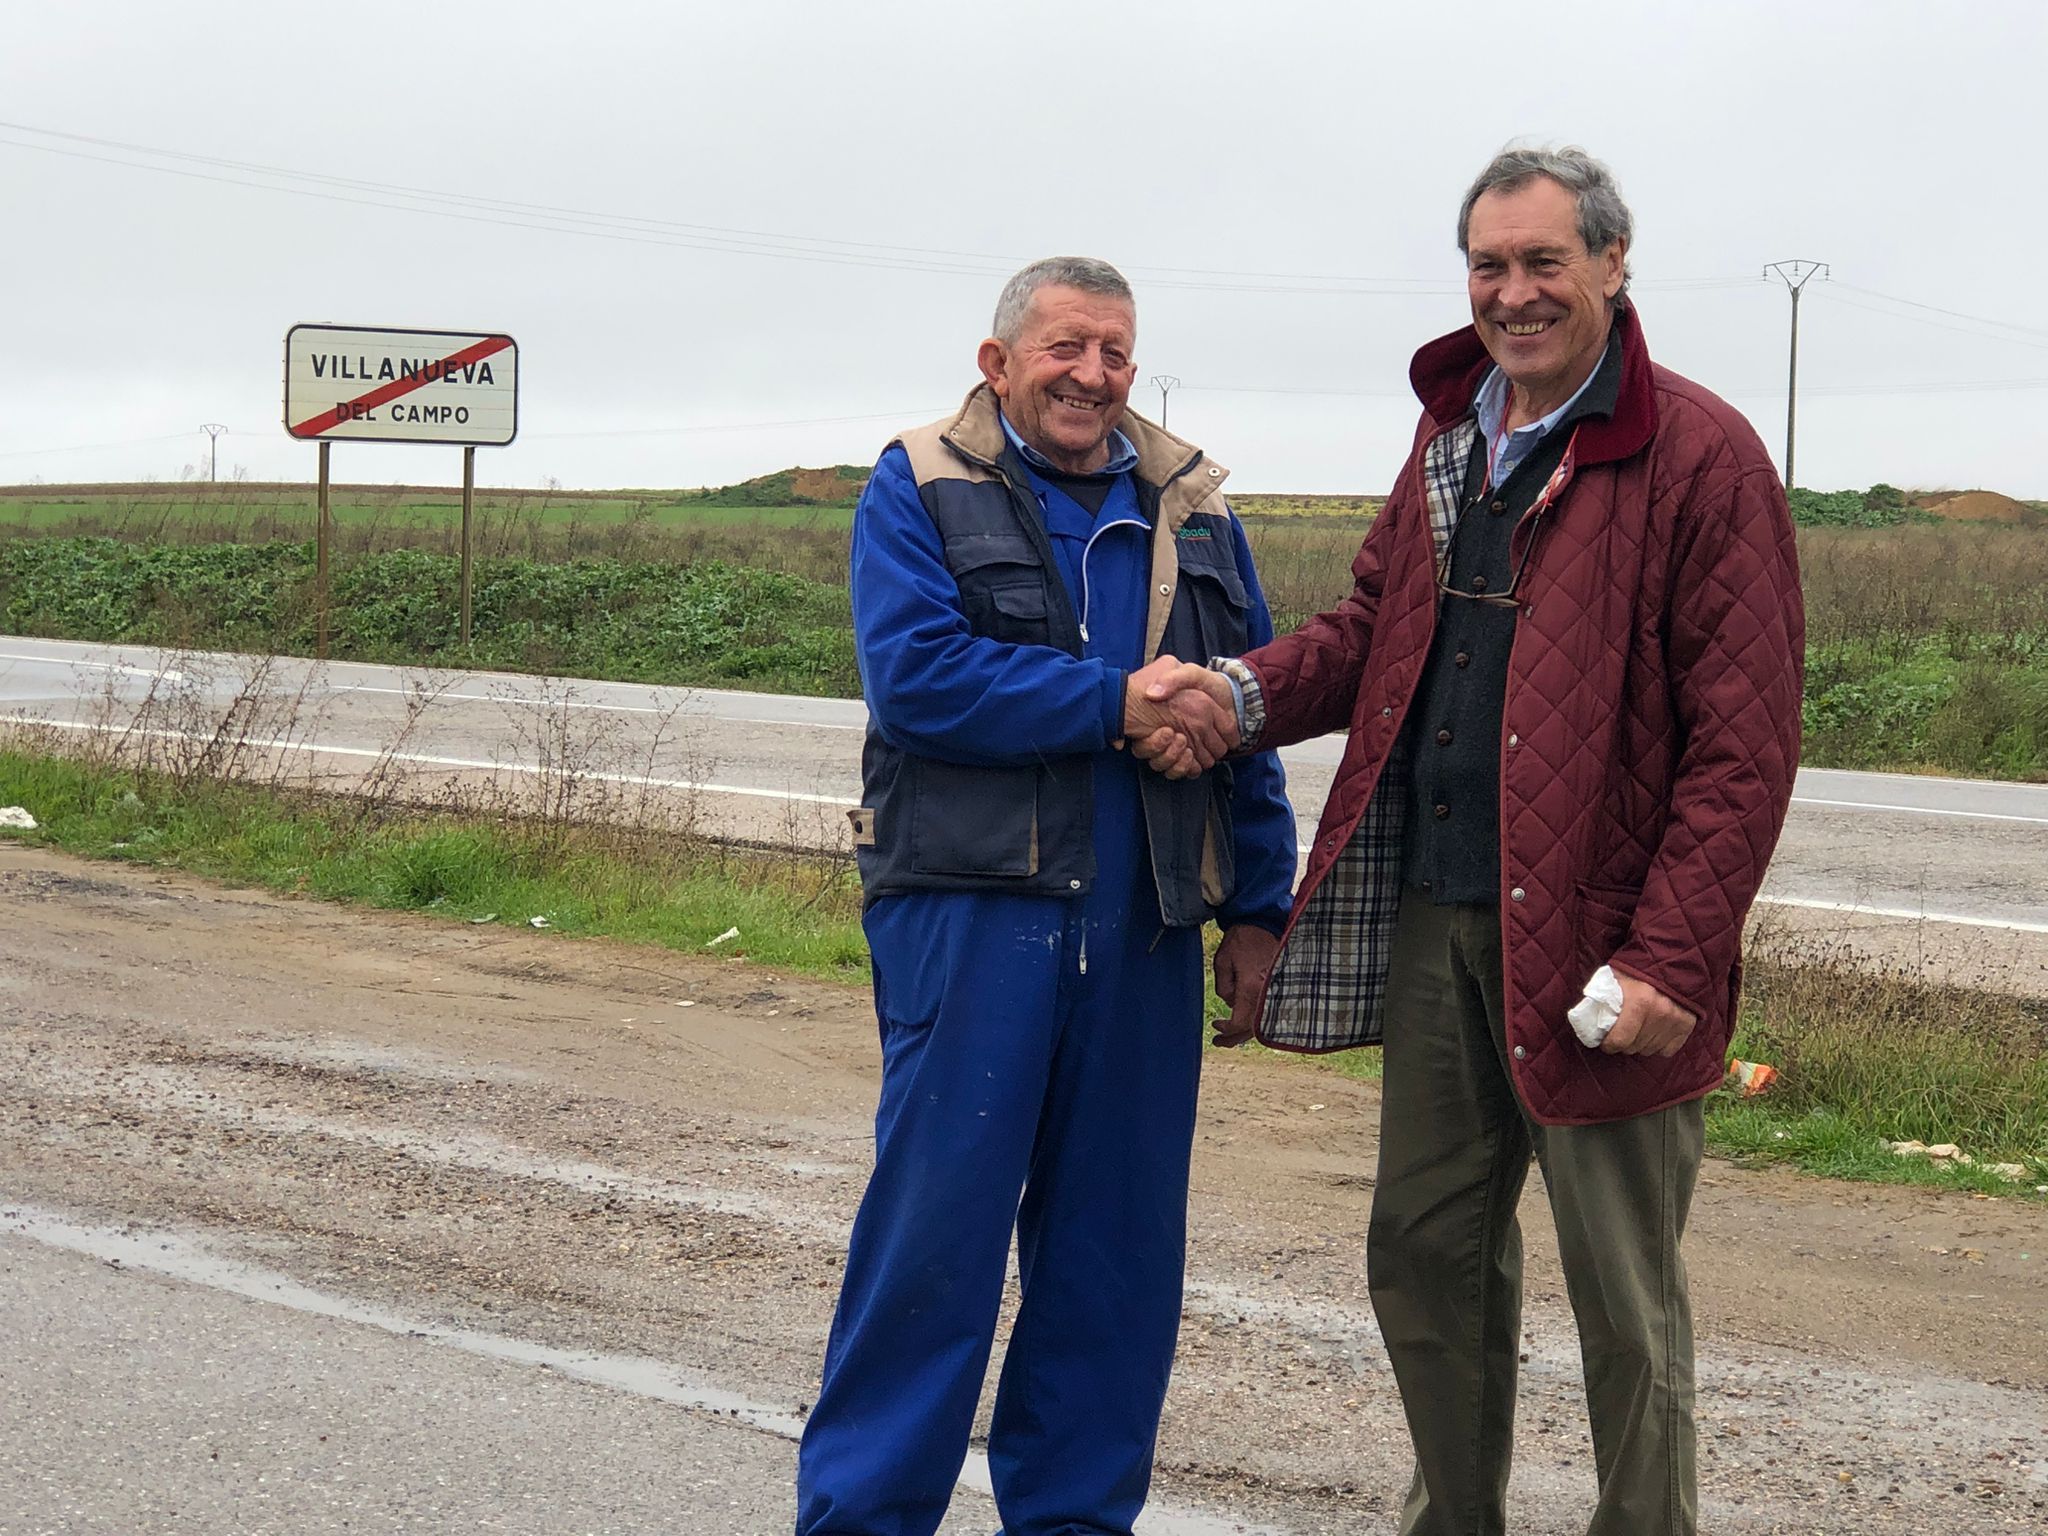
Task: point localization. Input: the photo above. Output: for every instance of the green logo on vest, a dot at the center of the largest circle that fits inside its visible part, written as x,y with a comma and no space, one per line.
1195,533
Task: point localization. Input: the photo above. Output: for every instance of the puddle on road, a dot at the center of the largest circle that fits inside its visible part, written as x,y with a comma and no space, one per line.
179,1257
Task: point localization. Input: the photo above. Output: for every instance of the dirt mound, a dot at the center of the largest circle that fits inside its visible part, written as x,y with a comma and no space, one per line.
839,483
1980,507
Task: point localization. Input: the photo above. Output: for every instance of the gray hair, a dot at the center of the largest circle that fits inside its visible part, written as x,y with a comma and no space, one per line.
1083,272
1603,217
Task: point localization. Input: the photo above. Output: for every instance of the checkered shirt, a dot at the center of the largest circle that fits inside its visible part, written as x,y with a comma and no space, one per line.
1330,982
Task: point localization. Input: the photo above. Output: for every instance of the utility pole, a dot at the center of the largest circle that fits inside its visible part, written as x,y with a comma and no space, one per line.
213,430
1164,382
1795,275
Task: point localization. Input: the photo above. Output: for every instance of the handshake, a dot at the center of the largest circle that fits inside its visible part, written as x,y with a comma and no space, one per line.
1180,717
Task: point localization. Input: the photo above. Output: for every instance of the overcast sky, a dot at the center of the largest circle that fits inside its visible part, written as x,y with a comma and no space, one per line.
737,226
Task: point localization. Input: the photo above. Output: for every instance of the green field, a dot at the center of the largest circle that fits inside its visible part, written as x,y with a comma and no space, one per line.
1927,641
256,513
425,516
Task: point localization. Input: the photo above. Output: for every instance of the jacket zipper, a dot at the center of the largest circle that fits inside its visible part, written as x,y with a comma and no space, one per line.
1088,549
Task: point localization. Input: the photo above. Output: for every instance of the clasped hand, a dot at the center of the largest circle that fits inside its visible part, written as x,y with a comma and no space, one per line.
1179,717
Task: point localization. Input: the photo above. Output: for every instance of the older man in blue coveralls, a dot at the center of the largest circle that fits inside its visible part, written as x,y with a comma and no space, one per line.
1022,570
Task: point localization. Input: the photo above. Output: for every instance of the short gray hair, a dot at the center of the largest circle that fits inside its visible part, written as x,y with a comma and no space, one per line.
1083,272
1603,217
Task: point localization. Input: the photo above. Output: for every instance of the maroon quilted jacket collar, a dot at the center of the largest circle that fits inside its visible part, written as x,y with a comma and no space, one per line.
1446,374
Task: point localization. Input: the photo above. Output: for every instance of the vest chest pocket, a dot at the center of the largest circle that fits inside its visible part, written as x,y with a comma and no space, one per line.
1014,612
1222,606
1002,587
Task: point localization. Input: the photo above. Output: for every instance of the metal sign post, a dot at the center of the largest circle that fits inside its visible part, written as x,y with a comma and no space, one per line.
378,384
321,539
468,503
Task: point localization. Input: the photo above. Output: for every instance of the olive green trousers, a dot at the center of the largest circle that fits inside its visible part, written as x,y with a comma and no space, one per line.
1444,1251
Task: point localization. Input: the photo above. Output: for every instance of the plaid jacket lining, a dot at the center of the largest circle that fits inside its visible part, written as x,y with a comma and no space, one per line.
1328,987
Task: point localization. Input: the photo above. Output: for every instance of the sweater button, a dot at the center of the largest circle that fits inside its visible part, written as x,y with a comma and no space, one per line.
1443,738
1075,885
1521,1053
1443,813
1517,894
1497,508
1462,659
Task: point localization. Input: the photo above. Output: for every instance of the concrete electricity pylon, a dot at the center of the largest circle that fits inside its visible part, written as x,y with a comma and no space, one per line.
1164,383
1795,275
213,430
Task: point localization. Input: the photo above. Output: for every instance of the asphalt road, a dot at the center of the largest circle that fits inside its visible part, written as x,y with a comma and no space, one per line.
317,1219
1870,848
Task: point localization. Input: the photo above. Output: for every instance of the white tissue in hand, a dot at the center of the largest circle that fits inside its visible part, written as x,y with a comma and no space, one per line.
1594,1014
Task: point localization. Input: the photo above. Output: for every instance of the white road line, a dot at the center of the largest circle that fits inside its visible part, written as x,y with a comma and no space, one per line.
679,708
176,1256
430,761
1858,909
1920,810
103,666
748,791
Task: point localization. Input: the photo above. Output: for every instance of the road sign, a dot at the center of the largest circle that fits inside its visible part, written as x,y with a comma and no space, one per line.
376,384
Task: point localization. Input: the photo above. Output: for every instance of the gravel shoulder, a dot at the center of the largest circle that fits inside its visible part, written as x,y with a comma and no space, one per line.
595,1148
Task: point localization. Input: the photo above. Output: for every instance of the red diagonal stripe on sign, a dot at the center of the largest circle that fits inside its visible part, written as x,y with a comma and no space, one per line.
475,352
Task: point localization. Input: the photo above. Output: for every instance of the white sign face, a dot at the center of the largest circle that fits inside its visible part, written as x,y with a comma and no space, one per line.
371,384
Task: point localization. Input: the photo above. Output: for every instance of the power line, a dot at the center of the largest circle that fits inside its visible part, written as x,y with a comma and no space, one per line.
1918,387
639,229
1938,387
1957,314
1939,325
129,442
919,414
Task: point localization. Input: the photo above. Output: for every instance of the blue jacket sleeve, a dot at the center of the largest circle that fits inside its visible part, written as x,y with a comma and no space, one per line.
1264,818
935,688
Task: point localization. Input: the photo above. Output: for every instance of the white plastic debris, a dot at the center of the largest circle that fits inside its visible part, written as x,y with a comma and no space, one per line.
1594,1014
730,933
15,817
537,922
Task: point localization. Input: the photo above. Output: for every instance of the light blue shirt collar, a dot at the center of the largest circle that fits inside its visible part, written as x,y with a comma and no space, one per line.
1490,404
1122,456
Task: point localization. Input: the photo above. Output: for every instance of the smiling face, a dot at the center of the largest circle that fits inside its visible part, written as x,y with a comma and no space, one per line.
1540,299
1066,378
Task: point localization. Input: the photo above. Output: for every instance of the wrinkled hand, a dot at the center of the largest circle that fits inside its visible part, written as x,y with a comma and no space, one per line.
1172,720
1650,1023
1242,961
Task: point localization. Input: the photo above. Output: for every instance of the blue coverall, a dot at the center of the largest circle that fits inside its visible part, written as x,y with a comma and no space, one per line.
1033,1046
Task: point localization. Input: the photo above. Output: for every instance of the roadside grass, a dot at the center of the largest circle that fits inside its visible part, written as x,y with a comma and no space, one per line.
697,623
678,893
1867,1057
1927,644
1864,1057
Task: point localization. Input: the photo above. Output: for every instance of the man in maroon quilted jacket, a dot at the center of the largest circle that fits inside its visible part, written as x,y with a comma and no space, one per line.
1570,670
